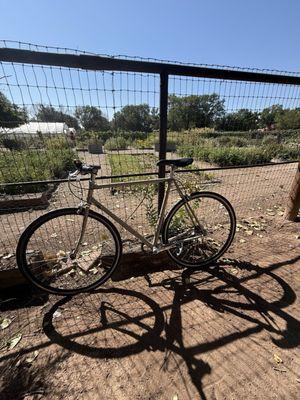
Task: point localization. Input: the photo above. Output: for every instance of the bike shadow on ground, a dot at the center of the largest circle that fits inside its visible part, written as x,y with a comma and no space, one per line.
166,332
263,311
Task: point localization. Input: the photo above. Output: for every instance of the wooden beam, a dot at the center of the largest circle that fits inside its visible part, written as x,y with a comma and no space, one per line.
293,205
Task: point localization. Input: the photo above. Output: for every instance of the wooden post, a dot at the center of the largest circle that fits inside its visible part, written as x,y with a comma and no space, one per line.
293,204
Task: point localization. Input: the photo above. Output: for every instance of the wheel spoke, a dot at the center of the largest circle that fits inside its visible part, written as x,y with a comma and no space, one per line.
197,243
51,262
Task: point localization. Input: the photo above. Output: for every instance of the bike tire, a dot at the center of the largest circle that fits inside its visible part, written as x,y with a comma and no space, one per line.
34,228
221,202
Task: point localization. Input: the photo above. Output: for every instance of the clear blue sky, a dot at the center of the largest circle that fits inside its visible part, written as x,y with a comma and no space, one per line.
251,33
257,33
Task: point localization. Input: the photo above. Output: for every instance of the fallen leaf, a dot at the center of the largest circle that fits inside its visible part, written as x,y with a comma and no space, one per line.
242,241
56,314
94,270
8,256
13,341
5,322
30,359
277,359
54,235
234,271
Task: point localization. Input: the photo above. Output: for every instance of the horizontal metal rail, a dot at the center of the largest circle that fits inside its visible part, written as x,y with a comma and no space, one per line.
54,181
89,62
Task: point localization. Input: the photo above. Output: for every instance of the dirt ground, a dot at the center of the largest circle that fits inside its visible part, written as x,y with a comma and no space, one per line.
230,332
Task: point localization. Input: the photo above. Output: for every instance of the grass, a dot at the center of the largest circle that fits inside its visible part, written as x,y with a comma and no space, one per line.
123,164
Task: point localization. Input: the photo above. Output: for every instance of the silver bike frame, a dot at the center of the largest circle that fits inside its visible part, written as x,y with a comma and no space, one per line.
154,246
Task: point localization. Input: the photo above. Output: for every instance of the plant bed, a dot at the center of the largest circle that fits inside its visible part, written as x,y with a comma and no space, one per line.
171,147
95,147
51,162
23,202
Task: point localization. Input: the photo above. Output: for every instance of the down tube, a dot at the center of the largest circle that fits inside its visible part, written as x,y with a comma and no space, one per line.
122,223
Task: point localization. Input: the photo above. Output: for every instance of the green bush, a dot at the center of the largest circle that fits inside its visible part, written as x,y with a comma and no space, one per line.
13,143
239,156
116,143
288,153
147,143
240,148
229,141
228,156
283,152
269,140
132,136
83,138
35,165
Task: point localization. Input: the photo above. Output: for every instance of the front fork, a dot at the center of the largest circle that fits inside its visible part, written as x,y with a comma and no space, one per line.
84,208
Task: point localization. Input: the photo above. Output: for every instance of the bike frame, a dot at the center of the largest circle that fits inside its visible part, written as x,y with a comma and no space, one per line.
155,246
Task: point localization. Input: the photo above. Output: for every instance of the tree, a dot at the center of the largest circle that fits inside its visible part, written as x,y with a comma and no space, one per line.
288,119
242,120
154,119
10,114
50,114
268,115
134,118
194,111
91,118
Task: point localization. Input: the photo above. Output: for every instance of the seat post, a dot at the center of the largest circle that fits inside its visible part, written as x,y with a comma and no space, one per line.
172,172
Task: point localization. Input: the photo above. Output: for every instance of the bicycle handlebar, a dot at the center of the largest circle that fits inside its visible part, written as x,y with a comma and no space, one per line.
83,169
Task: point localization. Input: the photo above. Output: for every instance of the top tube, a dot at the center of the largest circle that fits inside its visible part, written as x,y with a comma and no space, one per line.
133,182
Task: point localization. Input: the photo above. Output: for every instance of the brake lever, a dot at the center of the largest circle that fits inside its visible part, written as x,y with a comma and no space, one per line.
74,174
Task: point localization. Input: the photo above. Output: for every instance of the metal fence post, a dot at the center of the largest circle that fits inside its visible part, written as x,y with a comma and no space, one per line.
163,126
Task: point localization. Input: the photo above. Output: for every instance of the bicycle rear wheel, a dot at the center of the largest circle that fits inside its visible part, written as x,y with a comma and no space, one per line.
44,251
201,228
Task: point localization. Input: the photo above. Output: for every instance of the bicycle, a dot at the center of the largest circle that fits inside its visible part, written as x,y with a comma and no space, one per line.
71,250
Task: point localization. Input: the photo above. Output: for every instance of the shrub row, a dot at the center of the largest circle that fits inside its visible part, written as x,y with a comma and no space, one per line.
229,156
35,165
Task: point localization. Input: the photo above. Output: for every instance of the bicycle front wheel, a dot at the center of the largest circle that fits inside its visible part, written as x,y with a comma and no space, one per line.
45,252
200,228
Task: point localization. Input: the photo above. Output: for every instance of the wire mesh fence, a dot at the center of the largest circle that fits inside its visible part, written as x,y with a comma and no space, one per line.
51,114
